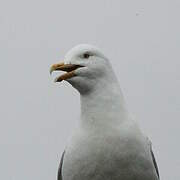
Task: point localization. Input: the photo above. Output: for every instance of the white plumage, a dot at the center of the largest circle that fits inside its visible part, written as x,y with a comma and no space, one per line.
108,144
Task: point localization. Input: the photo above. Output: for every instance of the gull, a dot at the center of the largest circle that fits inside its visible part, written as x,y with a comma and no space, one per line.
107,144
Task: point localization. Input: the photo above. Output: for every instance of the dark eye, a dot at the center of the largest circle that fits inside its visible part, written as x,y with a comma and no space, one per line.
86,55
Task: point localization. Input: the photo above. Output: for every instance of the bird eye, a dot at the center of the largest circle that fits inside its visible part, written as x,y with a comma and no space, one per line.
86,55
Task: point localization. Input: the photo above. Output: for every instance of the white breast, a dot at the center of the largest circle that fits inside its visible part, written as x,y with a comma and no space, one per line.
108,155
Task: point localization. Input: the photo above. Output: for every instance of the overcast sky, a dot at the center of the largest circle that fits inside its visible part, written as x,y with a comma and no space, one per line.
141,38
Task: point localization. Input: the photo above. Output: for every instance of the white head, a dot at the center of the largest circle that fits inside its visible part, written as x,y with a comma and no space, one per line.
87,68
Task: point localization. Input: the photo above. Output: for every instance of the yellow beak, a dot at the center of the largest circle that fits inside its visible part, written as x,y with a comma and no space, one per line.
69,68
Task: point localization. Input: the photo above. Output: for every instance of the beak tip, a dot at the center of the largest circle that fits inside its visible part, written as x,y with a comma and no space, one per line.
51,70
54,67
57,80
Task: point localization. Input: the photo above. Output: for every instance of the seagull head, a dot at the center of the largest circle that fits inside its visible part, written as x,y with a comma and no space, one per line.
85,68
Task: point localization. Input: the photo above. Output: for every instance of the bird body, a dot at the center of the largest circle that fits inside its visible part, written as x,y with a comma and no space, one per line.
108,144
110,155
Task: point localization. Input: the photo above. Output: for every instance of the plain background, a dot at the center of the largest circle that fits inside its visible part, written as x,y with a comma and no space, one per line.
140,37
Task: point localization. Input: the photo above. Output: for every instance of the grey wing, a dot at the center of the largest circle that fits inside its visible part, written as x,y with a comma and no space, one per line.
59,177
153,159
155,164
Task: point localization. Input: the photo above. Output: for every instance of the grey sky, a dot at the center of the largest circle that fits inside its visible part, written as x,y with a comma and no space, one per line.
141,38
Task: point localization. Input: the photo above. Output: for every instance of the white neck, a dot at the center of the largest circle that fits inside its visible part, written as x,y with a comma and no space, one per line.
104,106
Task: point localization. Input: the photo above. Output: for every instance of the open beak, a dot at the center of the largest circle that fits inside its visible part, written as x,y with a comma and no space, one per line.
68,68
